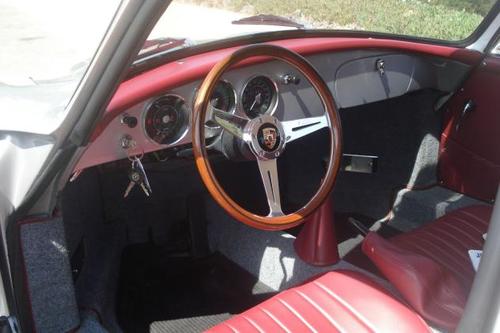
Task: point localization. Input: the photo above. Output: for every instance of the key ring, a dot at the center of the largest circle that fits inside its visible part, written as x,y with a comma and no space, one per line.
133,157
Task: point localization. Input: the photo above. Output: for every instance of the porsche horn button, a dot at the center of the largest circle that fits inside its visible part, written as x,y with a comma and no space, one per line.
268,137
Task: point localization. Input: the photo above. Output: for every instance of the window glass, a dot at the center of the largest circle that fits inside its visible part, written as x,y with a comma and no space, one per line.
46,49
189,22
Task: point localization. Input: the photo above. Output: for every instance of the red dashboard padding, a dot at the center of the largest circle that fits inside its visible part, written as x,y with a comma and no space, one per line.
339,301
173,74
469,160
430,266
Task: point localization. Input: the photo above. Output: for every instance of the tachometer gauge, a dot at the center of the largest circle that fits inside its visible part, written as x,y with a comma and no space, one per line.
223,98
259,96
166,119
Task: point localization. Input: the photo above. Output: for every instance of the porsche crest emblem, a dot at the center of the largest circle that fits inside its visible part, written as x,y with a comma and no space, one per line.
270,136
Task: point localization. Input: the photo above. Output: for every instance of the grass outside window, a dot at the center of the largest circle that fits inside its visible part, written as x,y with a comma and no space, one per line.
452,20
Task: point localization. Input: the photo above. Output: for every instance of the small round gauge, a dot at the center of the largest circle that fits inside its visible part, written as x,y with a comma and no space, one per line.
166,119
223,98
259,96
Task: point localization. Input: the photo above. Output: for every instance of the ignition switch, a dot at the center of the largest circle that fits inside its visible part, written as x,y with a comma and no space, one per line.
127,142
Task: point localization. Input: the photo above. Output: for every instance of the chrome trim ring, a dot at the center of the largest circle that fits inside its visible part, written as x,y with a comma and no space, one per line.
182,133
274,102
231,111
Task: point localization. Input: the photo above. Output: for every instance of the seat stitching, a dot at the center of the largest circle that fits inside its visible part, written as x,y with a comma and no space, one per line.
459,266
443,251
432,296
454,226
231,327
438,259
485,222
252,323
273,317
447,234
448,245
468,236
294,312
443,263
464,221
362,319
320,310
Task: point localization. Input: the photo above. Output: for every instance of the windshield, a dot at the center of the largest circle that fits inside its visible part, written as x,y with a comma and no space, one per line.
46,49
191,22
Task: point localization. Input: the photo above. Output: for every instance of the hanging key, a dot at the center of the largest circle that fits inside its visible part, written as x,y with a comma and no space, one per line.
137,176
144,182
135,179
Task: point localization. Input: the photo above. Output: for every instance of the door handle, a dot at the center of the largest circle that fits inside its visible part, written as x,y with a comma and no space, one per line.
469,106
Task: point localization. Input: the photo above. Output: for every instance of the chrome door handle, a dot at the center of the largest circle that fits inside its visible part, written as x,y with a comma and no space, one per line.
469,106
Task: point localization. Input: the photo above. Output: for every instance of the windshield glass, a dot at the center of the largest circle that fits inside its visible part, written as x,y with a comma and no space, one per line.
190,22
46,49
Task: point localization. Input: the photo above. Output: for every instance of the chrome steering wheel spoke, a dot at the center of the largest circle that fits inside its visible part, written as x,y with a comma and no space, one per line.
269,173
298,128
230,122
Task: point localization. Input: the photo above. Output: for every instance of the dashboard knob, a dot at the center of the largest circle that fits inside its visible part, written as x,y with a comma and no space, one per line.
130,121
288,79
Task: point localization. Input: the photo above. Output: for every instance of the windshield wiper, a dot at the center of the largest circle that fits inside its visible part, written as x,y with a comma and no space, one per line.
263,19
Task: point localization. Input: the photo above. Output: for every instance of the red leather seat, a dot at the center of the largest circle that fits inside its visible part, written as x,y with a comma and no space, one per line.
339,301
430,266
448,239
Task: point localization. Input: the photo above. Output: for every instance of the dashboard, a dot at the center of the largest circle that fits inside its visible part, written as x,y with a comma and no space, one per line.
354,77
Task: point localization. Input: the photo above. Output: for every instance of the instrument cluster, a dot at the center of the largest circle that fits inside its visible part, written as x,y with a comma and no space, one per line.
166,119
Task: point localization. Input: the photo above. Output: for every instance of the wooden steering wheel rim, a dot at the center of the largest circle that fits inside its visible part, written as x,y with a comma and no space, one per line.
200,153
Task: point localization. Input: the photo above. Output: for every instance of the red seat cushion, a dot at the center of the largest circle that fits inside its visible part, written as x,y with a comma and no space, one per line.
339,301
430,266
448,240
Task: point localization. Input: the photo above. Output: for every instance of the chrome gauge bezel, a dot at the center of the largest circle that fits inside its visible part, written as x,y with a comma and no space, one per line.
183,132
231,111
274,102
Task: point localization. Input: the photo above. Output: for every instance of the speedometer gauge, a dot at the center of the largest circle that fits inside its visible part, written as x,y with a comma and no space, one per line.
259,96
166,119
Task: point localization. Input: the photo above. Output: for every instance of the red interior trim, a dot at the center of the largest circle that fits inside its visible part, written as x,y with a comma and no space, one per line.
469,160
176,73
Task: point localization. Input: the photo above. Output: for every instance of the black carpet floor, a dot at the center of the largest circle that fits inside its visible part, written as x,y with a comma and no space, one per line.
156,287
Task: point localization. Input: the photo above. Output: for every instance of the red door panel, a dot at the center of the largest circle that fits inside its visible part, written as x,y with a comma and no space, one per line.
470,144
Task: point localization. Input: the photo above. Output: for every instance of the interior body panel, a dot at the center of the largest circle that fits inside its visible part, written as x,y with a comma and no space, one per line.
470,153
352,77
414,194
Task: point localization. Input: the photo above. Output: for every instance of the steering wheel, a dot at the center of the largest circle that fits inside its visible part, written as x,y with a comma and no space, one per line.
266,137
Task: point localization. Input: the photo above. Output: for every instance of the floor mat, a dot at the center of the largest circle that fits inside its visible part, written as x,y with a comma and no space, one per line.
414,208
404,133
154,287
350,239
194,324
